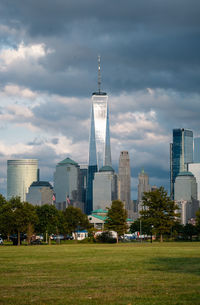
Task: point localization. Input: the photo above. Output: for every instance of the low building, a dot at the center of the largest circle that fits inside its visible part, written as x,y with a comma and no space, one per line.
40,193
98,218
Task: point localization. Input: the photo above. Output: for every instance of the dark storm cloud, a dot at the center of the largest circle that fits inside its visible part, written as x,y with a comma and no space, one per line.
143,44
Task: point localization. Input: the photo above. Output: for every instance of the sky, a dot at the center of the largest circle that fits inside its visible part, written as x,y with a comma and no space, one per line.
150,67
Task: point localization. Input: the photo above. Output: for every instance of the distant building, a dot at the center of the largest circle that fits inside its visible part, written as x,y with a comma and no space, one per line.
83,182
197,150
40,193
66,183
154,188
143,186
20,174
194,168
185,195
125,181
104,188
181,153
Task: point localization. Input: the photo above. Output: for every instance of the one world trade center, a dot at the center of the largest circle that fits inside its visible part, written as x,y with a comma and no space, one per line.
99,147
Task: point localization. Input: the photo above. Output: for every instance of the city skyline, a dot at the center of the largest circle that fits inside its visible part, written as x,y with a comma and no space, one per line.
150,62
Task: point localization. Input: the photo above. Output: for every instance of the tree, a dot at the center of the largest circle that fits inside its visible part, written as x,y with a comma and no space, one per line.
146,227
24,216
2,200
198,221
6,219
75,220
189,230
159,210
48,219
117,218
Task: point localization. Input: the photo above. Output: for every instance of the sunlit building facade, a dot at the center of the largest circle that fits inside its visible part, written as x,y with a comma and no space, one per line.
20,175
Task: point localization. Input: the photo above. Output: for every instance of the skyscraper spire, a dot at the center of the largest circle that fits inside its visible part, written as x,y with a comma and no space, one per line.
99,74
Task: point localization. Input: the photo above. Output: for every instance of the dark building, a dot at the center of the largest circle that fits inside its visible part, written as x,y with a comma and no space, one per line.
181,153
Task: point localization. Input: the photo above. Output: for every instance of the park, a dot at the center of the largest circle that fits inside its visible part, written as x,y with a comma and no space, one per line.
76,273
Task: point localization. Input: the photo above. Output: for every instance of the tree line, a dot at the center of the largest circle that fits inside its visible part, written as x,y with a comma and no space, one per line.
159,216
18,217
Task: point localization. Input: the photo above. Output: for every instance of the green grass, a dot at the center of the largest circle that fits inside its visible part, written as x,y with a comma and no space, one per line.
77,274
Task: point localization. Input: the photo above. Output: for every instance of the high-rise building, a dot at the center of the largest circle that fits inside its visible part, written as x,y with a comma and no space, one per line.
99,147
197,150
20,174
66,183
143,186
181,153
104,188
83,181
125,180
194,168
185,195
40,193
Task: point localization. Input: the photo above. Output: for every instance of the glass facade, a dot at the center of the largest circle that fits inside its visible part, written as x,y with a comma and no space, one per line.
100,153
20,175
99,147
182,153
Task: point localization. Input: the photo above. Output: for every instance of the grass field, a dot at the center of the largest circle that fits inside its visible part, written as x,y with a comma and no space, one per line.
144,274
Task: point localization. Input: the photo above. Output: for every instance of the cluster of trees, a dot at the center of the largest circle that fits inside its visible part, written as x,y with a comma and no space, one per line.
18,217
160,217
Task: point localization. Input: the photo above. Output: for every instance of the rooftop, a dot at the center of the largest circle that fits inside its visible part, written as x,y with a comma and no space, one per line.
41,183
106,168
99,93
185,174
68,161
100,211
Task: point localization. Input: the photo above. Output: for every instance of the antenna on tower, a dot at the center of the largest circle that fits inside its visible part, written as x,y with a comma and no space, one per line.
99,74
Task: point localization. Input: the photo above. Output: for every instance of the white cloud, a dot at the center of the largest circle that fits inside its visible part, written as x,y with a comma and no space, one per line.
22,53
17,91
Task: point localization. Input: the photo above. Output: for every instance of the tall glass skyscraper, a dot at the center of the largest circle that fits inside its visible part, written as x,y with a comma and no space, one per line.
181,153
99,147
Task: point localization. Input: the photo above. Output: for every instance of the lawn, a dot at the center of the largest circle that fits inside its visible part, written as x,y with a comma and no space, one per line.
76,274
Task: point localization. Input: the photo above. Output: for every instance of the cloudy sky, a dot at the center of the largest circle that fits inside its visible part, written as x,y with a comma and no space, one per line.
150,54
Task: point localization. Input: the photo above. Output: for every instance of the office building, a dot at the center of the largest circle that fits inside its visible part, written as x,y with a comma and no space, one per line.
20,174
66,183
197,150
104,188
40,193
83,181
194,168
181,153
125,181
185,195
99,146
